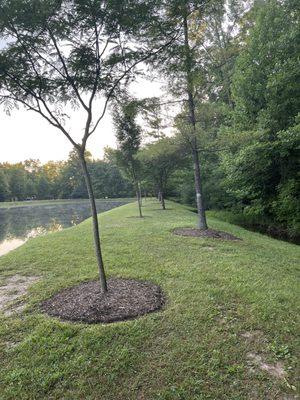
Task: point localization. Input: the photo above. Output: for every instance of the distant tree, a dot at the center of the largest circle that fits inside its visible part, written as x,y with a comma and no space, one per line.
4,187
43,187
52,170
108,180
128,134
17,178
71,180
61,55
159,160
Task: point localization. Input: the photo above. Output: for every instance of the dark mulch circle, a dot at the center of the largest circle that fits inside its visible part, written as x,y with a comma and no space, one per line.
208,233
125,299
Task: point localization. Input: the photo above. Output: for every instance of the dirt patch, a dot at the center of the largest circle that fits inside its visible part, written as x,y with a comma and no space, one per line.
14,288
276,370
254,337
208,233
125,299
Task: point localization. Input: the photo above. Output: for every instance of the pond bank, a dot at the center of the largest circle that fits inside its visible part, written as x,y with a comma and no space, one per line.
24,220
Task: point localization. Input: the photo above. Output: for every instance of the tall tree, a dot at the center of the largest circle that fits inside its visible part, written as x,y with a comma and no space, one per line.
197,65
179,67
61,55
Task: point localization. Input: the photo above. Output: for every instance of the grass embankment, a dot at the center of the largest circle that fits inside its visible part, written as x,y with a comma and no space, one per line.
224,301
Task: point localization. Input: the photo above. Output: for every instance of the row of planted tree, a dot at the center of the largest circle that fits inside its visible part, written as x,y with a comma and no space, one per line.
229,66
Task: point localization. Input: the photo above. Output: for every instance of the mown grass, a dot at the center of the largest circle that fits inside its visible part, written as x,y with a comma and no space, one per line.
193,349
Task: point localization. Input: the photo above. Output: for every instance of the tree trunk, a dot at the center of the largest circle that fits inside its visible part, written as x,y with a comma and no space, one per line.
159,196
138,198
202,224
140,193
137,189
162,199
87,178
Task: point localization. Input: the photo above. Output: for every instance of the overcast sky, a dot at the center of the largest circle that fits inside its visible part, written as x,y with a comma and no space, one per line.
25,134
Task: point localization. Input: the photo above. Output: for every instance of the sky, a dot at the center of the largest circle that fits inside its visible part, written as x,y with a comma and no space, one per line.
25,134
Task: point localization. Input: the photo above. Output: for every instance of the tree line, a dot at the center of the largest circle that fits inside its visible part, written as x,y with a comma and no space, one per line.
32,180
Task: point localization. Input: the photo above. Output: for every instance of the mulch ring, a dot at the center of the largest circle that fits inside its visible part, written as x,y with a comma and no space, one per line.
208,233
125,299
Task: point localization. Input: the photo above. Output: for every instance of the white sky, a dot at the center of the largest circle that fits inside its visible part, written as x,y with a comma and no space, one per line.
26,134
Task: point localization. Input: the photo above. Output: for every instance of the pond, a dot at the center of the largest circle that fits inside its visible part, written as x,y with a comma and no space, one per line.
22,222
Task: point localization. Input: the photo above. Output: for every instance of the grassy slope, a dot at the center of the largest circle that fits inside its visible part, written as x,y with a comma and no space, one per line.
192,350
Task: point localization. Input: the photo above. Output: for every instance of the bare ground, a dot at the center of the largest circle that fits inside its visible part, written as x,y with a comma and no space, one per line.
14,289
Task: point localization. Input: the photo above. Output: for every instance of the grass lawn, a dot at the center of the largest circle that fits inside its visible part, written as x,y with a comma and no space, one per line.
229,305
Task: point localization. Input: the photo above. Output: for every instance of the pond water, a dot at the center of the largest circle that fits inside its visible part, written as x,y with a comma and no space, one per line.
20,223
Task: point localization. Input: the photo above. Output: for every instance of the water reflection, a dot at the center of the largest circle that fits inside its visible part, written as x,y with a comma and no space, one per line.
18,224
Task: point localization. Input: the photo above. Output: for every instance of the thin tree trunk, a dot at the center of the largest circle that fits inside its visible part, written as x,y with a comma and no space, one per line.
137,189
162,200
140,193
138,199
202,224
87,178
159,196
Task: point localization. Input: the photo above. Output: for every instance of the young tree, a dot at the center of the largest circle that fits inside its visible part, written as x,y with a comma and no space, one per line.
159,160
128,134
63,54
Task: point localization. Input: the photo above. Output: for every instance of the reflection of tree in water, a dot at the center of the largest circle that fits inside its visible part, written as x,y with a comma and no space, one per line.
30,221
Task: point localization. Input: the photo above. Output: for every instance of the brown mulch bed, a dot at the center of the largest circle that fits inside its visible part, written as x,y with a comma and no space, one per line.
208,233
125,299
